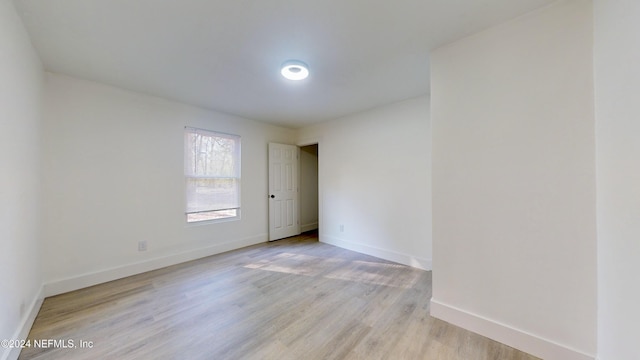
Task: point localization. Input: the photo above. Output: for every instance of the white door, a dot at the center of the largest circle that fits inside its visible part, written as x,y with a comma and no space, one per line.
283,191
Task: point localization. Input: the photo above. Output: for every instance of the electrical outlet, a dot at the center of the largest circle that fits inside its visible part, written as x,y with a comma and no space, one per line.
142,245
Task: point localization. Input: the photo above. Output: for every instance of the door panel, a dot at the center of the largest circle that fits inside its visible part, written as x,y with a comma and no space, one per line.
283,191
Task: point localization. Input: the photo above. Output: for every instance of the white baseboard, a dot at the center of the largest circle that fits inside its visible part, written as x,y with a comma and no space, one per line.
519,339
405,259
25,325
85,280
309,227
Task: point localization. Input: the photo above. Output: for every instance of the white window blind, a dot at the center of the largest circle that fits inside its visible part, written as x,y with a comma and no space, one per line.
212,174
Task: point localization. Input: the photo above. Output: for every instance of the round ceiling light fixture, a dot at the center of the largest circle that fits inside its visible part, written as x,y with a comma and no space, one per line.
294,70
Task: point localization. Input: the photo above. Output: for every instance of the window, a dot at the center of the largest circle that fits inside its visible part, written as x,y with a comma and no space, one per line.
212,175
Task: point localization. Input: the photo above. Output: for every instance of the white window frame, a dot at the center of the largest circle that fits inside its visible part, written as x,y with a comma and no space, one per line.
200,191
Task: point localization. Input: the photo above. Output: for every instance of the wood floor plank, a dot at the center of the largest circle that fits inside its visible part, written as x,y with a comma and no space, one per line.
291,299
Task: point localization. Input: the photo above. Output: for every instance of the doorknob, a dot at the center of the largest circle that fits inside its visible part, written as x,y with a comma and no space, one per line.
273,196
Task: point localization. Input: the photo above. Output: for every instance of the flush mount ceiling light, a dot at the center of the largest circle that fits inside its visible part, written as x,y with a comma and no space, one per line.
294,70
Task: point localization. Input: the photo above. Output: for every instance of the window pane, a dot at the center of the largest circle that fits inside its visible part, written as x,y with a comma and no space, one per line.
212,194
212,174
212,155
212,215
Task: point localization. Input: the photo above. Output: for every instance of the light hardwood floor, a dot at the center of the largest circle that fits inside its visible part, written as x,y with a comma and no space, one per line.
292,299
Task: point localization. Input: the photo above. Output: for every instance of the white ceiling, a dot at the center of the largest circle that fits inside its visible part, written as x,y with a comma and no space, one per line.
225,55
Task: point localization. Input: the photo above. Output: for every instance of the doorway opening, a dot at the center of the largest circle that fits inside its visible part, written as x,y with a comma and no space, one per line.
309,200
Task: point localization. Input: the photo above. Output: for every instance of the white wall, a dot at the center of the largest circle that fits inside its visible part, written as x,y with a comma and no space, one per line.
113,171
514,183
309,187
374,181
21,85
617,79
